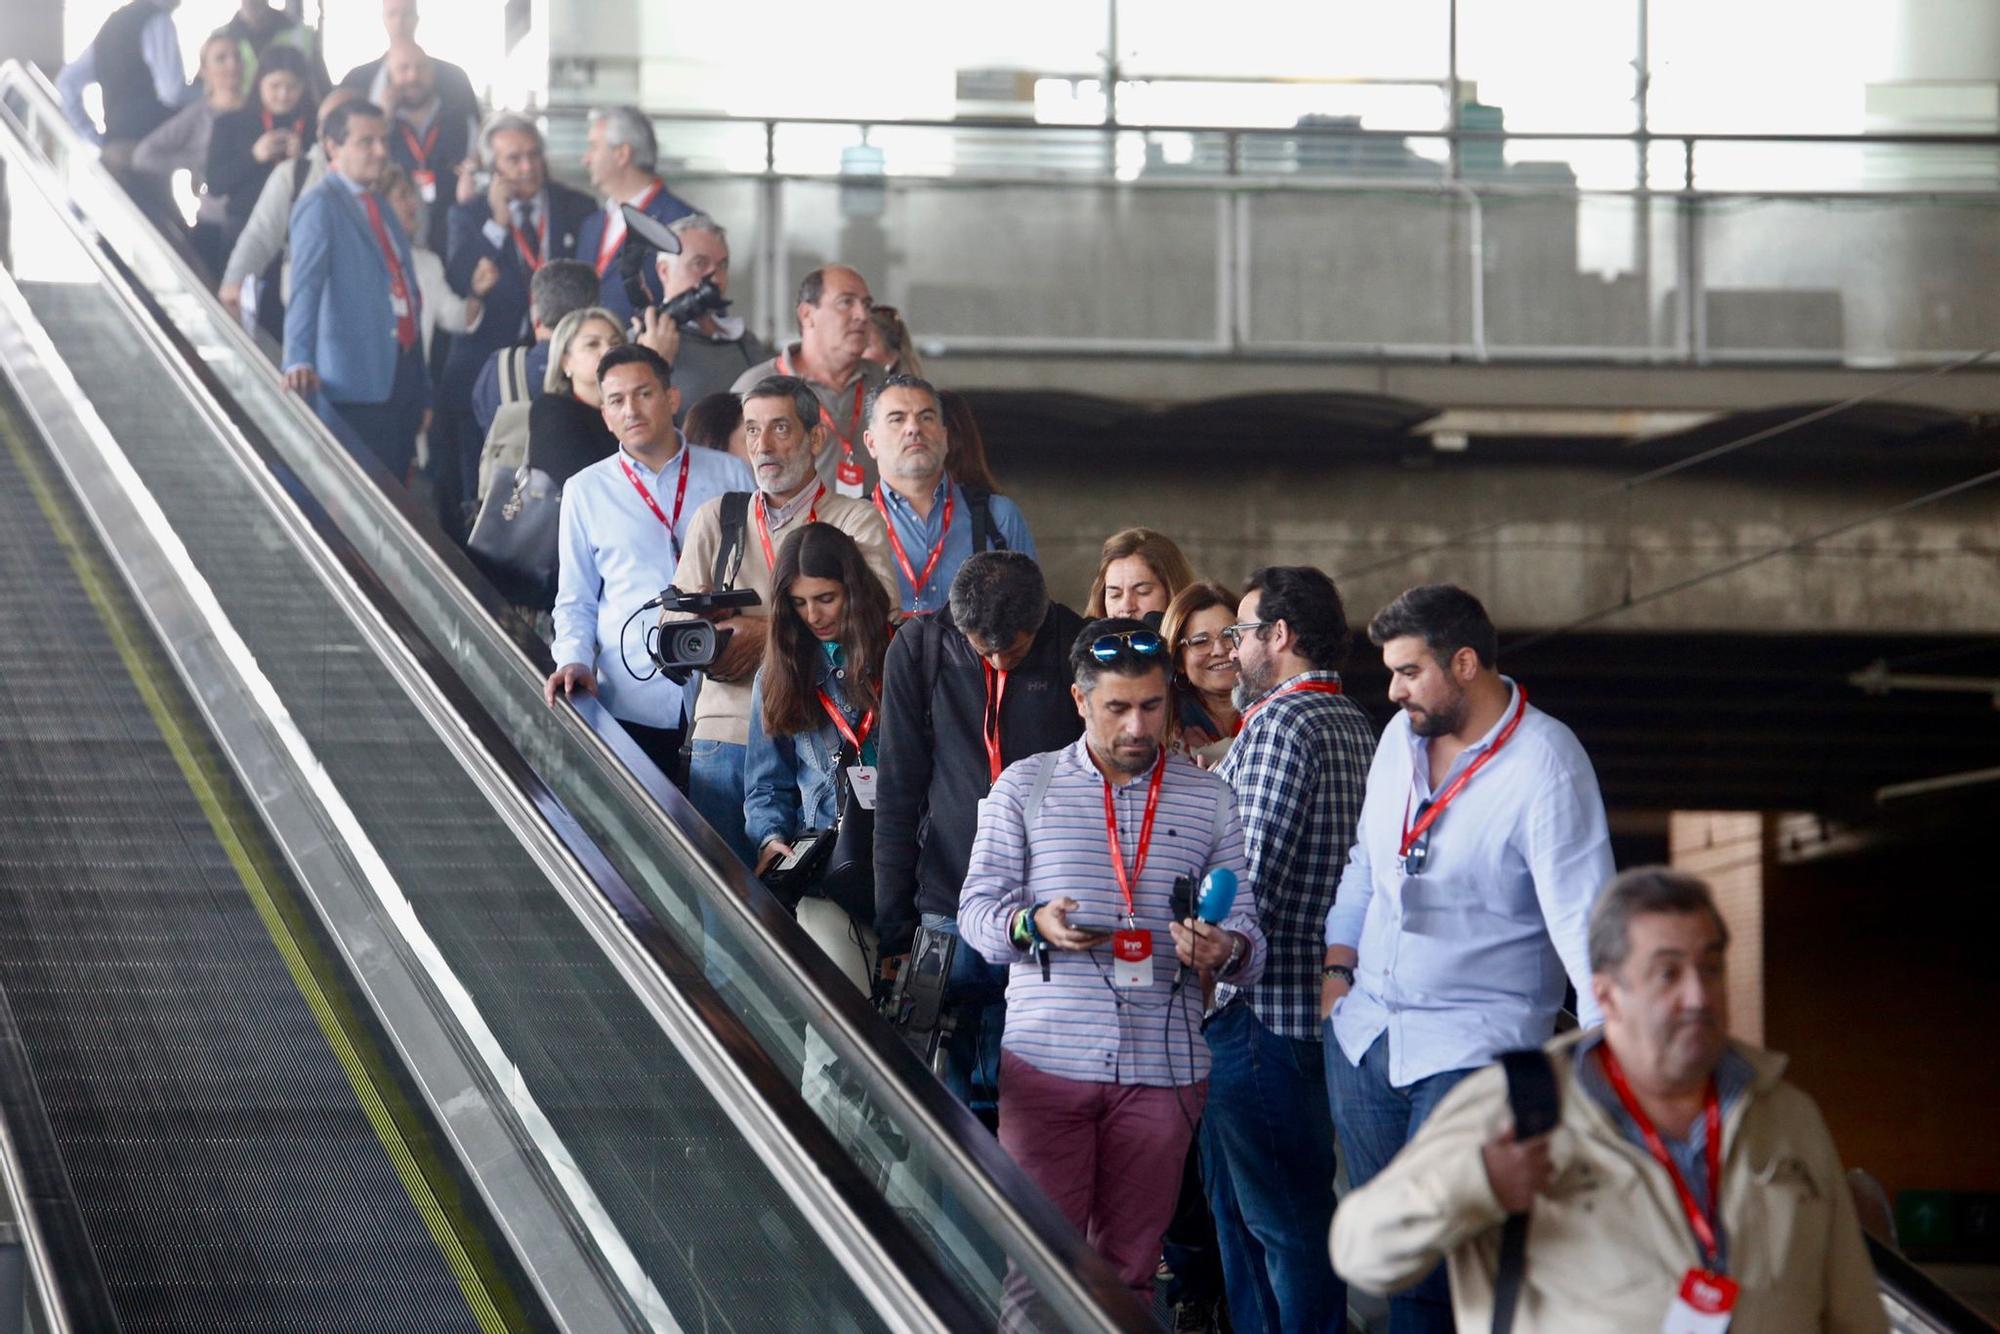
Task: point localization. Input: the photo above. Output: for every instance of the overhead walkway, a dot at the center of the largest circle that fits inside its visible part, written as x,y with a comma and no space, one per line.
342,982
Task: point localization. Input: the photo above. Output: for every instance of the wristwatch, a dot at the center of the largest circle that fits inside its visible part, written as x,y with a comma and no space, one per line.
1339,970
1235,954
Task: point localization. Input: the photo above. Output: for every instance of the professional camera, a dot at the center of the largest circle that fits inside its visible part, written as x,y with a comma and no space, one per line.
681,648
645,236
703,299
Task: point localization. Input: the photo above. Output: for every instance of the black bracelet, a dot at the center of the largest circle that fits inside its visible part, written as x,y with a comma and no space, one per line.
1339,970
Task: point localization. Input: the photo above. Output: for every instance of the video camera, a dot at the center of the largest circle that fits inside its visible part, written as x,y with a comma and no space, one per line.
681,648
645,236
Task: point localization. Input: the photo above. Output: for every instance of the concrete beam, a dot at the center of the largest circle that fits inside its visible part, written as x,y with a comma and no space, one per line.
1163,380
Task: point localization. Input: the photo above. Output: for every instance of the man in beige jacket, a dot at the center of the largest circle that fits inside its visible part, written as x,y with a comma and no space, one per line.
784,436
1620,1193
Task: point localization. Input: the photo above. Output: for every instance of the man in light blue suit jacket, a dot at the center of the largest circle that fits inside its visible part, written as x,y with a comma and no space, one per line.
351,325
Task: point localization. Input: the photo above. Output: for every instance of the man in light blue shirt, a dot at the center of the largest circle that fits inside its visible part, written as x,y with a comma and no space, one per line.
934,524
1466,899
624,521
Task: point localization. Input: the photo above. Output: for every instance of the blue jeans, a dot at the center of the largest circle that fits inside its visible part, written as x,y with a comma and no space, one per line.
1376,1121
977,989
715,788
1267,1155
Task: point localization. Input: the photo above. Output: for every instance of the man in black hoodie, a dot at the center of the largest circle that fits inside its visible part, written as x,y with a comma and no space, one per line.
965,693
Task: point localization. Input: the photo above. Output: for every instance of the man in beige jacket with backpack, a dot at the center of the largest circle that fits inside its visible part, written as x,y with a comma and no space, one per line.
1622,1229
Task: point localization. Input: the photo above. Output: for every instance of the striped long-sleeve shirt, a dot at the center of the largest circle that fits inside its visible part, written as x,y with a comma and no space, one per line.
1076,1025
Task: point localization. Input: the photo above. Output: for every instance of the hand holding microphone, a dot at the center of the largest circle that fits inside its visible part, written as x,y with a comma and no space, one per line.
1200,942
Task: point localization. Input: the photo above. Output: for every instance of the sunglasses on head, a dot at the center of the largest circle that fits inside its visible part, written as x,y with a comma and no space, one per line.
1419,854
1145,643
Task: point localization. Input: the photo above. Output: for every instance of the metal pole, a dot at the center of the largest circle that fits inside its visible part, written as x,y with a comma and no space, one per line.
1111,62
1451,113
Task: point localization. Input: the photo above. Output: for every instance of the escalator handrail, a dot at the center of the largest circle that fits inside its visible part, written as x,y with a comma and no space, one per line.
1913,1288
999,1194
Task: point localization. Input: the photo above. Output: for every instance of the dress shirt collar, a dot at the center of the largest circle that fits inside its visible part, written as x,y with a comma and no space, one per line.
420,118
615,207
1420,745
777,516
648,473
355,188
901,503
791,360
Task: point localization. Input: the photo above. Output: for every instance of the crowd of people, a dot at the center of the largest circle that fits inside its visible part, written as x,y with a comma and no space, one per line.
1210,938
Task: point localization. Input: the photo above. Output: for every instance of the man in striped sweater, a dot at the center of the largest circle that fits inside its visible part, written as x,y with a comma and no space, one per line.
1072,883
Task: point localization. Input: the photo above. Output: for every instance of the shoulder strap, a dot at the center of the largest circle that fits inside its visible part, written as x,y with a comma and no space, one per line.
927,664
1045,773
1535,1106
985,537
514,375
735,517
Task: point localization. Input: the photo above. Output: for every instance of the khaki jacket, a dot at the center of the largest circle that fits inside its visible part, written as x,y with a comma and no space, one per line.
1608,1244
722,710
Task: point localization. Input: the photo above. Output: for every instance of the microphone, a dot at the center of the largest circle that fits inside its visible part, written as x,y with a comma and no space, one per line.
1213,901
1218,895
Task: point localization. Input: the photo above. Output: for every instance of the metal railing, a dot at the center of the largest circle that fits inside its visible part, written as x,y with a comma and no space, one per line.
1005,238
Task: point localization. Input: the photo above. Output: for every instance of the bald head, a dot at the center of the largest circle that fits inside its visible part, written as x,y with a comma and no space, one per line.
399,18
411,80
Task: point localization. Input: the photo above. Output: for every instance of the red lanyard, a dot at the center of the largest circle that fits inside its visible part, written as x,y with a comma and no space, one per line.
399,284
1413,832
1702,1223
764,527
680,494
420,150
917,581
990,723
532,256
614,226
1126,882
1295,688
854,738
298,124
826,418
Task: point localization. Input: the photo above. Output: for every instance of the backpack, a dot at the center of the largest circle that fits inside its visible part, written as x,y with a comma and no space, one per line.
985,537
506,447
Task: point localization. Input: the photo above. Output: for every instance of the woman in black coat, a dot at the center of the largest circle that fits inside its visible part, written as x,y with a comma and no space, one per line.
275,126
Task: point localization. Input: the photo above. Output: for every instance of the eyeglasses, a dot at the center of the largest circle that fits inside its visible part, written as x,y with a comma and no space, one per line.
1232,635
1145,643
1201,642
1419,854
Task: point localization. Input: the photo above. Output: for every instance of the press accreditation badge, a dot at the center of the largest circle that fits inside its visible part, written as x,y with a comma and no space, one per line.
427,185
847,479
861,781
1132,959
1703,1304
399,306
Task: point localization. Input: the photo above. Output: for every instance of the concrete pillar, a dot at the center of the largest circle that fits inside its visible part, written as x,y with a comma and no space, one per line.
32,30
1728,850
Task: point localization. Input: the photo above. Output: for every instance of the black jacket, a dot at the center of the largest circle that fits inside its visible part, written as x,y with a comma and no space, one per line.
931,756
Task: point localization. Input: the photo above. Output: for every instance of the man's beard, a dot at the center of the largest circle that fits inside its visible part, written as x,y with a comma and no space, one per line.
1439,722
1130,762
1253,682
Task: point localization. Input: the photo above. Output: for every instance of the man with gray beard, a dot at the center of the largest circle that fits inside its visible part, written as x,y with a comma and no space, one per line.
1466,900
1298,768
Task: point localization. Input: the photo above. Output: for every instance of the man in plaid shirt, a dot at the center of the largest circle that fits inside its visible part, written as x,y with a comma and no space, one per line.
1299,769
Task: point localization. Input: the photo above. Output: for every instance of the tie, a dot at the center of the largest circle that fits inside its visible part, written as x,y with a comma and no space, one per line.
399,288
530,243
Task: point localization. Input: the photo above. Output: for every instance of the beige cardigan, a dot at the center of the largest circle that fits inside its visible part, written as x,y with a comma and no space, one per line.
1607,1242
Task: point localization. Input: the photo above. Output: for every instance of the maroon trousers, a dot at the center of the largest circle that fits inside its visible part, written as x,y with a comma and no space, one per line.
1109,1155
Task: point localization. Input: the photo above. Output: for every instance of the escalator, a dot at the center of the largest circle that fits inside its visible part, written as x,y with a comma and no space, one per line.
343,983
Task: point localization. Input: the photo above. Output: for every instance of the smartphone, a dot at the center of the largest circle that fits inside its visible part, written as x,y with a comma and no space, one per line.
1103,930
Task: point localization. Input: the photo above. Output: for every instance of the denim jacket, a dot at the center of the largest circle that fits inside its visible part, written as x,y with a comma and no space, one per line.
789,782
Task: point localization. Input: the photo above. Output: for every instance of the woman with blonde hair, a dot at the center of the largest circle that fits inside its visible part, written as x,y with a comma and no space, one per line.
566,430
1139,572
890,343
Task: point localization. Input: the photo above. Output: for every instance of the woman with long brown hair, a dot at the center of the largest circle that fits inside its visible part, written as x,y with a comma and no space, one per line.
1139,572
813,703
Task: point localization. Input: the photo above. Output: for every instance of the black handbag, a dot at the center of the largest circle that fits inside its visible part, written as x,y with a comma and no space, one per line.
514,537
849,879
